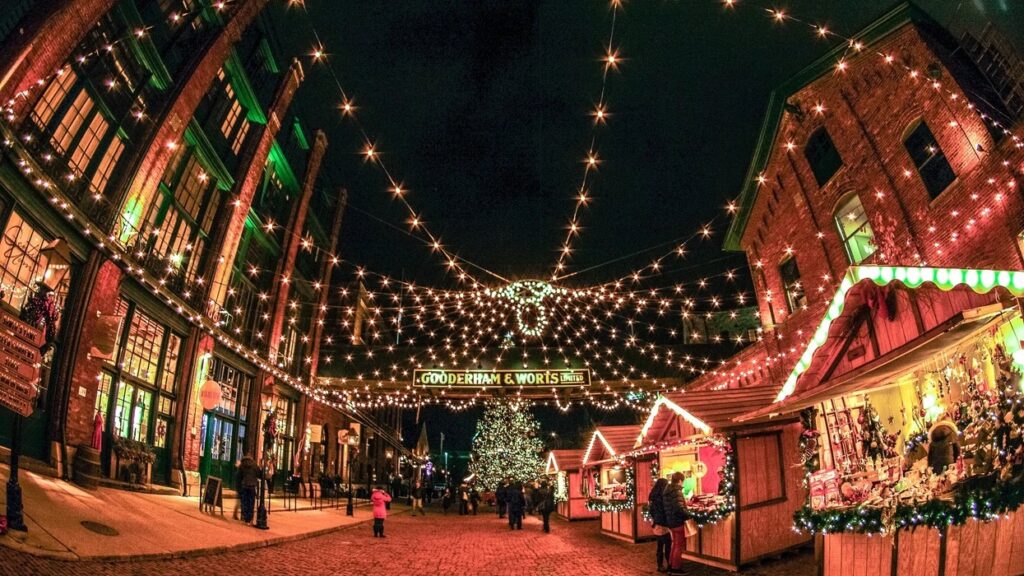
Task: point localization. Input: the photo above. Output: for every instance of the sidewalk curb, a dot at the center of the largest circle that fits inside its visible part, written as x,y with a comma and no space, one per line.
68,556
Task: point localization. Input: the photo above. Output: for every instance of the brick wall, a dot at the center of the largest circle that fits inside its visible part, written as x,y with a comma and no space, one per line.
51,31
867,110
188,94
81,408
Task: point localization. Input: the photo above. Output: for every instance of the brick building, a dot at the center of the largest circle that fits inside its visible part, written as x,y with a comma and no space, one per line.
898,149
155,138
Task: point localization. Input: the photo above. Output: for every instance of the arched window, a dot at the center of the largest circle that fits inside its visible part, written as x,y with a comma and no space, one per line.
854,229
930,161
822,155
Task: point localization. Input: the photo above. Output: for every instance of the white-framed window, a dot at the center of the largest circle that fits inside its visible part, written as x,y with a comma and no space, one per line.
854,229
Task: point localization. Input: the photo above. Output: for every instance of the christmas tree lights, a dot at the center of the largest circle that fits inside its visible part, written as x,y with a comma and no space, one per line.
506,445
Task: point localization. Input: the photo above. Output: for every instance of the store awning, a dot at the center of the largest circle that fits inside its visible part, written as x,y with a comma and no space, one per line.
839,325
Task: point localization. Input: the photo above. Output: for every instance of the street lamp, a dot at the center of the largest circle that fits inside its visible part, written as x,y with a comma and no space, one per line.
58,263
353,446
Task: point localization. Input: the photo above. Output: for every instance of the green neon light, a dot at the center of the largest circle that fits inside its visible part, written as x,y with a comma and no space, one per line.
981,281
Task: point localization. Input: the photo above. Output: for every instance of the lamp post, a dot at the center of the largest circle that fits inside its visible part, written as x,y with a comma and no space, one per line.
353,446
58,263
269,441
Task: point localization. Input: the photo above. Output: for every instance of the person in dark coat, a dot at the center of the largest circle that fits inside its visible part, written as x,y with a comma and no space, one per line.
656,510
417,499
474,499
546,503
446,500
500,495
676,515
463,494
516,506
247,481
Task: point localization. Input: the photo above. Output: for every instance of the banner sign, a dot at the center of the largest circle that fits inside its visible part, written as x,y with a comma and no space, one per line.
438,378
19,363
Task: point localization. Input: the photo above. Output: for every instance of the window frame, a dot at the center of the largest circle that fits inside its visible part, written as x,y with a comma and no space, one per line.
816,144
843,206
794,303
934,163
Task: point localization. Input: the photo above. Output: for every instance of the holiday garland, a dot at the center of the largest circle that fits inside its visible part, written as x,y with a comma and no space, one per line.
972,504
726,489
997,422
602,505
561,488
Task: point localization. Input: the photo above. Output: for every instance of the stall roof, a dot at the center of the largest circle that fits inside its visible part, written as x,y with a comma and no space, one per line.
949,333
614,440
564,460
708,411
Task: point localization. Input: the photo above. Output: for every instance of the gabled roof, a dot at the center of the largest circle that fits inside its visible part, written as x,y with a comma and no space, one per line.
609,441
893,20
945,279
564,460
708,411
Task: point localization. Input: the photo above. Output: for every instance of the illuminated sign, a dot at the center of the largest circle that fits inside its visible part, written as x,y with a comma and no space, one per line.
501,378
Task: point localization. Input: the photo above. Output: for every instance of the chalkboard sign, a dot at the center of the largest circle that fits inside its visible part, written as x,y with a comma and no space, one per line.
212,495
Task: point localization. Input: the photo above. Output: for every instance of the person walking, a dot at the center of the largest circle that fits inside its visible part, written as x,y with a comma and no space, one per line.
417,499
656,509
463,499
474,499
528,498
446,500
380,500
516,506
500,495
546,504
248,479
676,516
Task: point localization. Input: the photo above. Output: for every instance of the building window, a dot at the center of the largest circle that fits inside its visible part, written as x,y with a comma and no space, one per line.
20,264
796,298
854,229
236,144
106,165
54,96
822,155
930,161
182,219
129,396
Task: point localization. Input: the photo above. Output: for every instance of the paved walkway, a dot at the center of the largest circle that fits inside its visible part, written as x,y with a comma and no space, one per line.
146,525
444,545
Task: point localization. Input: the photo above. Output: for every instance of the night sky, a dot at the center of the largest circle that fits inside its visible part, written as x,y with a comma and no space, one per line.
481,108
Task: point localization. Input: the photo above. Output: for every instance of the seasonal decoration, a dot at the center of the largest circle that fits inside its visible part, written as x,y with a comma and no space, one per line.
506,445
942,490
809,436
616,503
561,488
269,433
41,311
876,441
725,503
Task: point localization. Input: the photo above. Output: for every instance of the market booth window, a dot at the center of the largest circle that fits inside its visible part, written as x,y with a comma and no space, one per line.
912,416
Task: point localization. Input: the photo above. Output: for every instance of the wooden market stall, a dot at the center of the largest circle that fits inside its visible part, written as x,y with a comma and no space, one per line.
565,468
741,484
616,485
912,410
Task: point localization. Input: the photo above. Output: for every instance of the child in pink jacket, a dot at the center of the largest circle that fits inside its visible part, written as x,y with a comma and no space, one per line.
380,500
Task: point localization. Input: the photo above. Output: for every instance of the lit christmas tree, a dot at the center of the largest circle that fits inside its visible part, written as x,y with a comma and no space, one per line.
506,445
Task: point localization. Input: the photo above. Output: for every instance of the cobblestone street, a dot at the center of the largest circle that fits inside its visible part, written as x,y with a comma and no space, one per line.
435,544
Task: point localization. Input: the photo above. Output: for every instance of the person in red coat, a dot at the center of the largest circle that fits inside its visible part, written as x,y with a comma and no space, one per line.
380,500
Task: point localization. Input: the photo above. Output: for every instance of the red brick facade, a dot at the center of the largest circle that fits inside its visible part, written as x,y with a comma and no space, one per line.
868,110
